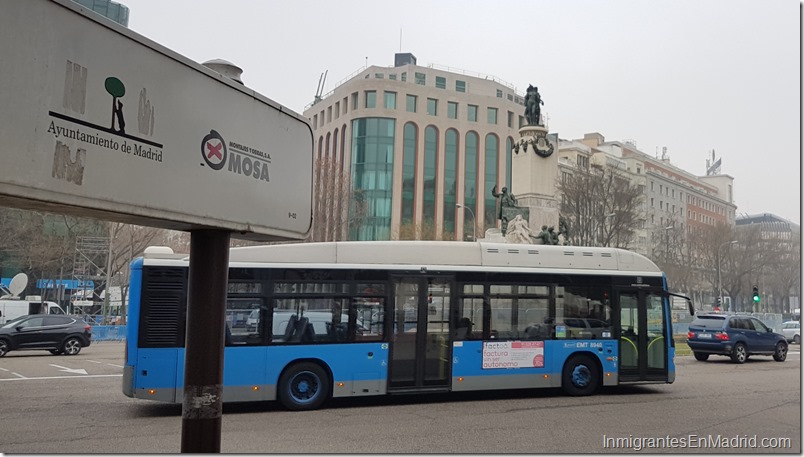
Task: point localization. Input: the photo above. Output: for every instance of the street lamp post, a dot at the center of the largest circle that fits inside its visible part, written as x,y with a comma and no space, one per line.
719,283
474,220
667,244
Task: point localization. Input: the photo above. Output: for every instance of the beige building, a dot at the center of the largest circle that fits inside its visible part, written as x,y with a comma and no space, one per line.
676,202
413,141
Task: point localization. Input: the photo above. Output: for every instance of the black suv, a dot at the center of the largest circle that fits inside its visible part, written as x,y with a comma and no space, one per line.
58,334
736,336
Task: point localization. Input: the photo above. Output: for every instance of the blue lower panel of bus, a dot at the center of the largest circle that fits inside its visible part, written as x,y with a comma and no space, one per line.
252,373
489,365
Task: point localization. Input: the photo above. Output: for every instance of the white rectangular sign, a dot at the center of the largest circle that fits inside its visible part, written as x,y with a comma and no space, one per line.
513,354
96,120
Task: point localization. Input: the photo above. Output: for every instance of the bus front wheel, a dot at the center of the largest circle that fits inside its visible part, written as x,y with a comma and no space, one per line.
580,376
304,386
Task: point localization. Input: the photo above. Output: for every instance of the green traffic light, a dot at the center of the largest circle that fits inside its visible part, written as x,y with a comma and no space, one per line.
756,298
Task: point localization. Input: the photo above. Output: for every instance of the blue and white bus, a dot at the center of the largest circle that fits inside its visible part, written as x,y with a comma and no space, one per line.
311,321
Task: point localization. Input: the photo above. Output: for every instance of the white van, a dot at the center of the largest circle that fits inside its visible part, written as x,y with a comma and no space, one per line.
12,309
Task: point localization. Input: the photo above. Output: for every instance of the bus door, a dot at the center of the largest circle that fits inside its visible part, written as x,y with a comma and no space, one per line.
642,335
420,352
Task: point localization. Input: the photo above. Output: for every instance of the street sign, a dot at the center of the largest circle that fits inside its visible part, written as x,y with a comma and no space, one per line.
96,120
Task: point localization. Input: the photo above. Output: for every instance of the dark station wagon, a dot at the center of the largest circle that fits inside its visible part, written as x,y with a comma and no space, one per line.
735,336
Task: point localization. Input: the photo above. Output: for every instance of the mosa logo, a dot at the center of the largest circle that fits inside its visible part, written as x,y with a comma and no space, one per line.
237,158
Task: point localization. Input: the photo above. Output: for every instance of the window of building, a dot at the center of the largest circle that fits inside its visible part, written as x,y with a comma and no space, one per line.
460,86
639,170
373,166
452,110
329,114
392,76
499,93
492,152
450,182
651,202
521,121
410,101
470,183
379,76
651,186
315,121
345,105
390,100
492,115
509,154
354,101
432,107
441,82
371,98
471,113
404,76
583,162
510,119
430,182
510,97
420,78
337,109
408,177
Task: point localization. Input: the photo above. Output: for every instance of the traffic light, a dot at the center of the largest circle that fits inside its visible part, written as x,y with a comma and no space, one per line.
756,294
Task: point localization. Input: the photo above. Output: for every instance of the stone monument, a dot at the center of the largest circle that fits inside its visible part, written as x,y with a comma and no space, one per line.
535,166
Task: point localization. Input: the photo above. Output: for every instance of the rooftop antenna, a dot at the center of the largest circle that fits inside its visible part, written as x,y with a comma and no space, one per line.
320,89
366,61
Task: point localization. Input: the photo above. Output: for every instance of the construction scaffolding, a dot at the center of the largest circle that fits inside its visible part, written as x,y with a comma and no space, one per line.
89,264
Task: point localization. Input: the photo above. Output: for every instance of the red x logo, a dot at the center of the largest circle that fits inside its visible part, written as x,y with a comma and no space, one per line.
215,151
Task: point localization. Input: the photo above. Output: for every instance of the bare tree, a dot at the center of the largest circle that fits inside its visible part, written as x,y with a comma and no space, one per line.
601,205
336,206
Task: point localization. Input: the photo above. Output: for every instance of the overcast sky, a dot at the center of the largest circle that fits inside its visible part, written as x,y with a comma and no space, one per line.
689,75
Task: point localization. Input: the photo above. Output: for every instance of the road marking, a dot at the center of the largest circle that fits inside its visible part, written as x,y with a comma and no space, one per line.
69,370
116,366
93,361
18,375
4,369
65,377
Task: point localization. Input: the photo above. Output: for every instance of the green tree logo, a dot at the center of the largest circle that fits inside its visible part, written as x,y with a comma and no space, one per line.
117,90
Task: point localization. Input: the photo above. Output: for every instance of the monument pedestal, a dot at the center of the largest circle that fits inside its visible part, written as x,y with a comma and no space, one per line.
535,171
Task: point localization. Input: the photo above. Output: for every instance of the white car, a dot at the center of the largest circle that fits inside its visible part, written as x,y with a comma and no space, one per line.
792,331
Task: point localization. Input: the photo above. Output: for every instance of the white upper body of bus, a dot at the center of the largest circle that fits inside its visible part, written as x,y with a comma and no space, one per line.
430,256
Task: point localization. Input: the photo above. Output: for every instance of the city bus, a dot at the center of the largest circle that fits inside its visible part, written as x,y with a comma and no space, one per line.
306,322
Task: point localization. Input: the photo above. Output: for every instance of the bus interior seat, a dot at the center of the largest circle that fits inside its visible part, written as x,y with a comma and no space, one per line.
302,330
464,329
291,326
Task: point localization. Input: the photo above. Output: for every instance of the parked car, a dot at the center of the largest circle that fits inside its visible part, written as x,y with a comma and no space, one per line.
736,336
59,334
792,331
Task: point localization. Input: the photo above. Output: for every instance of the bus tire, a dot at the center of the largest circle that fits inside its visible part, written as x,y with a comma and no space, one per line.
580,376
304,386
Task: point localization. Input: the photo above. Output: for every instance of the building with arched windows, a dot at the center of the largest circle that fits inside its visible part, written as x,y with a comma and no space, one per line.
397,148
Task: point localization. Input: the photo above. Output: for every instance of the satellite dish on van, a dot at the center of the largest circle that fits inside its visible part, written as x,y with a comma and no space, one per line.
18,283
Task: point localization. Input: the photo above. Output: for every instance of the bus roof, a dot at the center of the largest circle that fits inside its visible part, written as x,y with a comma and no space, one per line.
441,253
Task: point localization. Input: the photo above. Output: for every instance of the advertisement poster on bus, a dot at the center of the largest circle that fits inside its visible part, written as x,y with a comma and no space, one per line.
513,354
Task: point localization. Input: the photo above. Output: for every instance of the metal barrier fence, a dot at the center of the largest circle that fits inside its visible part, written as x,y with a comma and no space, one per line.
108,332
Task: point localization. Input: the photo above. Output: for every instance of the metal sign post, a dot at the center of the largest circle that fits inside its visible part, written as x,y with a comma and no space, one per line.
202,408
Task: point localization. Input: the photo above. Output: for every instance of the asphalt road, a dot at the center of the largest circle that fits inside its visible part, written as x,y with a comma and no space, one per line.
48,405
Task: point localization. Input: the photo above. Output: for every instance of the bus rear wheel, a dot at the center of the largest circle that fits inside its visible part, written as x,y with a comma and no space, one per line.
580,376
304,386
